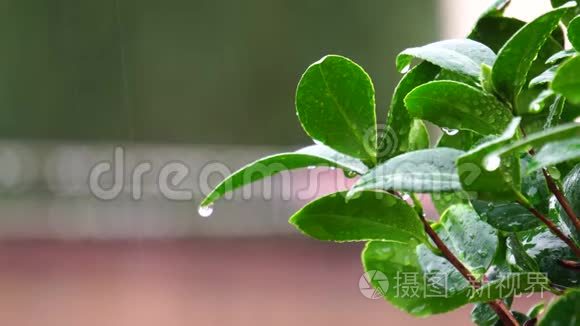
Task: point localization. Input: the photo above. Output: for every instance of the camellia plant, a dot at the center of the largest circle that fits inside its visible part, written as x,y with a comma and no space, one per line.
504,175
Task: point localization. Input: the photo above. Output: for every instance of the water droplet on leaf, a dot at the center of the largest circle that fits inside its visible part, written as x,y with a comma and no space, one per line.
406,69
492,162
449,131
205,211
350,174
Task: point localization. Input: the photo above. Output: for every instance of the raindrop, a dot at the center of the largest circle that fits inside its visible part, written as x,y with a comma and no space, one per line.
312,167
406,69
205,211
449,131
492,162
577,120
406,196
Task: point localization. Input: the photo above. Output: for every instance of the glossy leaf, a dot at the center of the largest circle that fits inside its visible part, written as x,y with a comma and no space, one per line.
559,56
505,216
569,15
556,152
515,58
393,259
462,56
472,240
567,80
369,216
562,132
316,155
522,261
447,103
571,189
335,102
545,78
574,33
547,250
565,311
399,120
423,171
477,175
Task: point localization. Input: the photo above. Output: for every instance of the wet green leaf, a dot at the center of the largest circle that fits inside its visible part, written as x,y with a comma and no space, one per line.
399,120
565,311
447,103
574,33
523,262
515,58
418,297
423,171
472,240
545,78
505,216
491,180
462,56
335,102
567,80
316,155
369,216
556,152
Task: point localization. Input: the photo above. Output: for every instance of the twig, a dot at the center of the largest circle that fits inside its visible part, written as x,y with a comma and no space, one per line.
498,306
562,199
551,226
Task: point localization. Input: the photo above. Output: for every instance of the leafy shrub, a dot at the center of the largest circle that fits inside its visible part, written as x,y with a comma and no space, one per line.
505,175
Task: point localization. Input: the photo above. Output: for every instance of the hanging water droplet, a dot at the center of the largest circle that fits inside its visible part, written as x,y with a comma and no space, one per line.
205,211
449,131
350,174
332,168
492,162
406,69
312,167
406,196
577,120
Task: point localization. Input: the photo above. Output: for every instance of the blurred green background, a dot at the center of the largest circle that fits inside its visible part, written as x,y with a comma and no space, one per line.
177,71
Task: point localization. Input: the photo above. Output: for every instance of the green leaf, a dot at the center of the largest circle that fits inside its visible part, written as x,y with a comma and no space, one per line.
418,136
512,285
472,240
544,99
399,119
423,171
369,216
556,152
567,80
417,296
559,56
316,155
505,216
461,56
499,183
447,103
335,102
555,112
561,132
547,250
515,58
536,310
574,33
545,78
565,311
571,189
569,15
523,262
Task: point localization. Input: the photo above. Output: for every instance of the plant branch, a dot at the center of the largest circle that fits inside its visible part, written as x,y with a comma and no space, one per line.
498,306
557,192
551,226
562,199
